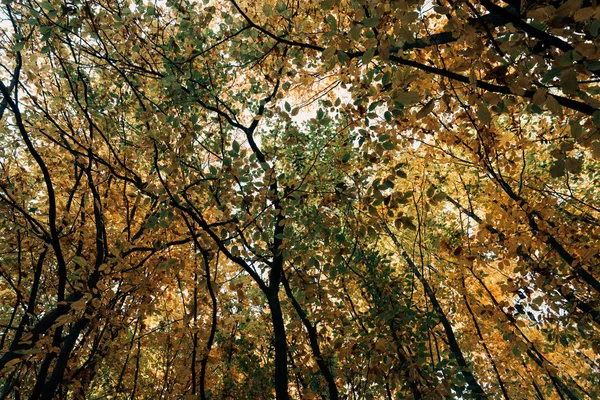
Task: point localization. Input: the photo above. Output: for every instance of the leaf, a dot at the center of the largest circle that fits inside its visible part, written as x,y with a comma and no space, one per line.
568,82
355,31
281,7
387,184
151,223
368,56
553,106
79,305
557,169
438,197
427,108
595,28
483,114
573,165
370,22
407,98
80,261
267,9
332,22
342,57
46,5
327,4
19,46
407,222
12,362
328,53
539,98
516,351
430,191
400,172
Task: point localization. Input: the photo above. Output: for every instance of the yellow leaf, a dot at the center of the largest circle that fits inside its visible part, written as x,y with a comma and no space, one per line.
408,98
12,362
584,14
568,8
78,305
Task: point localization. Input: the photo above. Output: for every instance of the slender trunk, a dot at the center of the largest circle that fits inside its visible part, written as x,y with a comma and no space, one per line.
314,342
63,358
281,371
213,325
195,335
137,366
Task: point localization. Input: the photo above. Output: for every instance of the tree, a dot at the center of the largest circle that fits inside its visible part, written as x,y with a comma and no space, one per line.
237,199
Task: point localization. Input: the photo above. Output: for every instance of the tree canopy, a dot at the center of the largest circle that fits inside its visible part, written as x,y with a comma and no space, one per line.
240,199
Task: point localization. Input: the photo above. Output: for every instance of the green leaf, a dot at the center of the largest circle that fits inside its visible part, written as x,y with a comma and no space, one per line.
280,7
401,173
267,9
516,351
370,22
326,4
332,23
388,145
152,220
388,184
596,118
46,5
387,78
553,73
80,261
19,46
355,31
320,114
595,28
368,56
407,222
342,57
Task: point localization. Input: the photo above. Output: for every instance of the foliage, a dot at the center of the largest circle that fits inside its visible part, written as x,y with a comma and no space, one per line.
316,199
